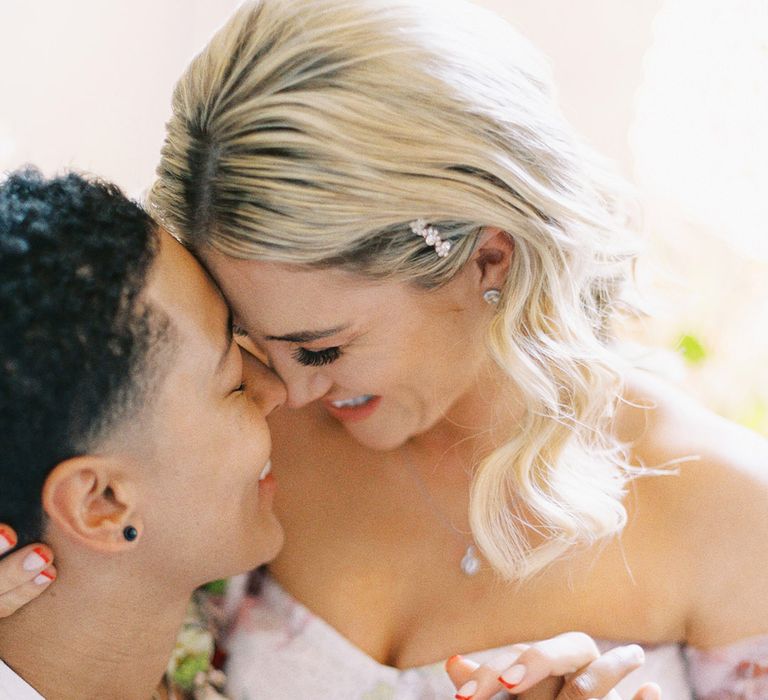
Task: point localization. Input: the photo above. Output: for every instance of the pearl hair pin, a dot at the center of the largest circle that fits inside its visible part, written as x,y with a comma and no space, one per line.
431,236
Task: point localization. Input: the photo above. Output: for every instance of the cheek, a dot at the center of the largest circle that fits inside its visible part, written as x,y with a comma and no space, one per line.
232,453
377,373
445,370
254,441
394,354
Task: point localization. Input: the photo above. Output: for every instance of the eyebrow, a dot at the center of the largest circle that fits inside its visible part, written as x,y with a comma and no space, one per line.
225,354
308,336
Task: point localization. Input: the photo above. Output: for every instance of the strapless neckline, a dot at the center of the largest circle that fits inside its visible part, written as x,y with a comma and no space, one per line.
276,627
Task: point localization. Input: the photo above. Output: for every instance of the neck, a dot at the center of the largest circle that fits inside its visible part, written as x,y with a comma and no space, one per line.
98,632
487,415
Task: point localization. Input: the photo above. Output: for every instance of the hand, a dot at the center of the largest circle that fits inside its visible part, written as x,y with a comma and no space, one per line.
566,667
24,574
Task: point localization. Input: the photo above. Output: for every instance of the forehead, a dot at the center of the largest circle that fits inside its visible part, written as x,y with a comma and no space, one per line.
276,299
180,286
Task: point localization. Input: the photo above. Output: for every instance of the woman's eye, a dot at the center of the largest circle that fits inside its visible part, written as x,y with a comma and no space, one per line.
316,358
239,389
239,331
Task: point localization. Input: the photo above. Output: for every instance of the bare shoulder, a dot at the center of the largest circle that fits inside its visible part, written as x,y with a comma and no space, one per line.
713,511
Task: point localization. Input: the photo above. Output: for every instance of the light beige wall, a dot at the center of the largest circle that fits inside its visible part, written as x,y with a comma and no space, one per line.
596,49
87,83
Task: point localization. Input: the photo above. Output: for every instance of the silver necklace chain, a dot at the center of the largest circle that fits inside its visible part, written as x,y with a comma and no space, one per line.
470,563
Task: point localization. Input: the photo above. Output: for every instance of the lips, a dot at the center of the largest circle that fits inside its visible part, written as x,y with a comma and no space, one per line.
267,482
353,402
353,409
267,487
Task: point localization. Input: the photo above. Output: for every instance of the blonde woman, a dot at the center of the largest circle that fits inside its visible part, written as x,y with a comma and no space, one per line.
410,234
412,237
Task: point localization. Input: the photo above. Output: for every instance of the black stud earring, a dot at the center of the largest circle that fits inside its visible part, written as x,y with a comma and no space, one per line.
130,533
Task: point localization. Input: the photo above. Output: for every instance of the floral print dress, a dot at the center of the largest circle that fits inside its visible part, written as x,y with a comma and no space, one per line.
277,648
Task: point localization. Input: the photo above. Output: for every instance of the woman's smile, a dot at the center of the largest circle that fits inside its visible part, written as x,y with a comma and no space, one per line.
353,410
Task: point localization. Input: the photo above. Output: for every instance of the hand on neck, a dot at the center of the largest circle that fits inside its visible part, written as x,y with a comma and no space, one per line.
103,630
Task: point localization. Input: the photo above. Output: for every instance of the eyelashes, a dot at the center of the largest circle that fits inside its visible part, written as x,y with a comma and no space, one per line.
308,358
316,358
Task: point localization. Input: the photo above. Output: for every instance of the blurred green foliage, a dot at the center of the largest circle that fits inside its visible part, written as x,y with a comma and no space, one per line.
755,416
692,349
188,668
216,587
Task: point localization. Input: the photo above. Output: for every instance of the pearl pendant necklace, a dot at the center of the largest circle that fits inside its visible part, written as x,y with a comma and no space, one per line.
470,564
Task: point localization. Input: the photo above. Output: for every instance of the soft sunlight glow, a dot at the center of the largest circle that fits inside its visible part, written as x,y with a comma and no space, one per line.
700,137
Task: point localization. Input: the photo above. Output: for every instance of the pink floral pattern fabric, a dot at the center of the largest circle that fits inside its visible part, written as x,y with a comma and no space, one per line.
277,648
736,672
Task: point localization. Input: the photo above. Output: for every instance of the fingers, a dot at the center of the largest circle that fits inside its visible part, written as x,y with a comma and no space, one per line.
480,682
648,691
8,539
566,667
17,598
599,677
24,574
460,670
558,656
544,690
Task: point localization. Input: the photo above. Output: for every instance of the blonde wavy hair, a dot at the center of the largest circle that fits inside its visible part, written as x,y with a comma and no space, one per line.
311,132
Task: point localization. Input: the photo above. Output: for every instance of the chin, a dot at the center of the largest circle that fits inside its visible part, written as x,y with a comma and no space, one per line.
379,441
270,539
390,431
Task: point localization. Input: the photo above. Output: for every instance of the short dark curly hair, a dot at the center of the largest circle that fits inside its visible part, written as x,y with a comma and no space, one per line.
76,337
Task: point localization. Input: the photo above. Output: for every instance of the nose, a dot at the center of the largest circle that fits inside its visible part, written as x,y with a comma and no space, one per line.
306,388
263,385
303,384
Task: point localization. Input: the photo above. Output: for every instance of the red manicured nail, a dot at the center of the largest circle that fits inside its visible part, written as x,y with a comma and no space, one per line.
44,577
513,676
42,554
467,691
37,559
508,686
7,540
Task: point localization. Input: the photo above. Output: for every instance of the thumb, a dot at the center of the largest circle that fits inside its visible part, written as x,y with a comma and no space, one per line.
648,691
460,669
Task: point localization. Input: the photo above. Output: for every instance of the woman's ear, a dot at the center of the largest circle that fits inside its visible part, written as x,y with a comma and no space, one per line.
89,500
492,257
